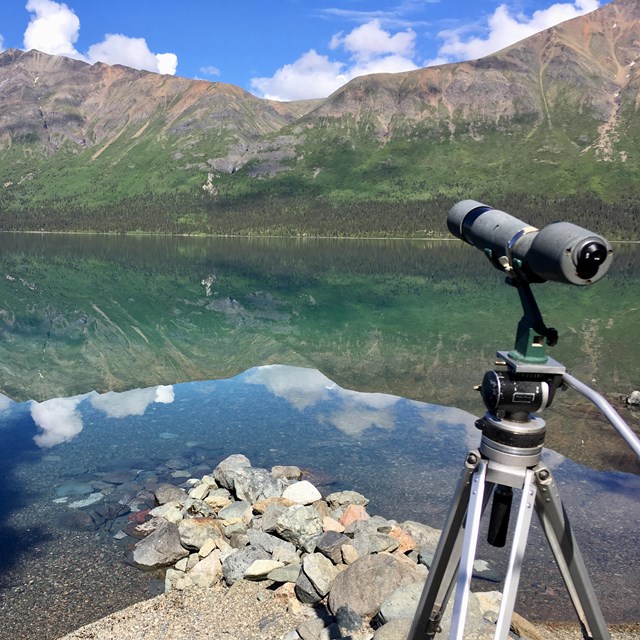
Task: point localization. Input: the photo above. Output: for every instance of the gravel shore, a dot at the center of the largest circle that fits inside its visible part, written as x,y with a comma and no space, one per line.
246,611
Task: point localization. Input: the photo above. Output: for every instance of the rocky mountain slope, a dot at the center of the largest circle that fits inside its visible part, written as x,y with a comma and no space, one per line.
554,115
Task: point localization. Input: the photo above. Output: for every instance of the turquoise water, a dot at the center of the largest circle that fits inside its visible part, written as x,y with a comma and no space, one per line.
417,319
100,450
154,358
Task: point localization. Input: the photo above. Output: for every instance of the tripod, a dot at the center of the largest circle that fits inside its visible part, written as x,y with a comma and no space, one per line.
509,458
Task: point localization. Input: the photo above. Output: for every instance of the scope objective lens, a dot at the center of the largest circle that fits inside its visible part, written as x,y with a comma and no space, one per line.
591,257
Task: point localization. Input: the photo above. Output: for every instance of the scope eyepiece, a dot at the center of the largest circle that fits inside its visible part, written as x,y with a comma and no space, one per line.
561,251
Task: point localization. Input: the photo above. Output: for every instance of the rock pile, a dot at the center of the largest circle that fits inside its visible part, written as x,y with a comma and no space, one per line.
365,573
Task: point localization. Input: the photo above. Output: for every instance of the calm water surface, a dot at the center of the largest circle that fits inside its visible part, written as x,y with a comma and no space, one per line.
170,323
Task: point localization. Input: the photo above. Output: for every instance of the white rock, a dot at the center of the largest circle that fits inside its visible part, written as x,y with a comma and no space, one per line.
208,546
205,574
172,511
91,499
200,492
302,492
260,569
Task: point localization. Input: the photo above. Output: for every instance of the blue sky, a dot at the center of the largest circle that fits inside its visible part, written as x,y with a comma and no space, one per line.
278,49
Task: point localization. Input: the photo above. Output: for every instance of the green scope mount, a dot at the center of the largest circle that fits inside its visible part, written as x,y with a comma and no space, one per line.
532,336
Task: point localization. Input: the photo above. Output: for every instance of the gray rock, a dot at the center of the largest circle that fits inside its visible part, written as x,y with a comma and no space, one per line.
270,517
288,555
382,525
311,629
305,591
486,570
73,488
269,543
364,585
169,493
288,573
402,603
425,536
330,544
348,621
288,472
633,400
119,477
235,565
78,521
257,484
394,630
159,549
195,531
300,526
225,472
345,498
320,571
235,512
366,542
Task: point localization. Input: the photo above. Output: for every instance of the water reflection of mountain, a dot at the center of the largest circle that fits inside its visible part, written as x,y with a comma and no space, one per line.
418,319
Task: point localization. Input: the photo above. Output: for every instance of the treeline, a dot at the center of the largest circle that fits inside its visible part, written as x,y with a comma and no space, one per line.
304,215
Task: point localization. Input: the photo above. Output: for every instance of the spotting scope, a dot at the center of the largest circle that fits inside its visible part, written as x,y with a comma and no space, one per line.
561,251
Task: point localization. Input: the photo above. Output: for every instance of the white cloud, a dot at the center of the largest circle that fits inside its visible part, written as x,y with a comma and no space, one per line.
310,76
370,49
167,63
58,419
504,28
1,43
370,40
210,71
131,52
54,29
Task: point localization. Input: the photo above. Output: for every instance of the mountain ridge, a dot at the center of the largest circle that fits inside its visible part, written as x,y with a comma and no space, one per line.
555,115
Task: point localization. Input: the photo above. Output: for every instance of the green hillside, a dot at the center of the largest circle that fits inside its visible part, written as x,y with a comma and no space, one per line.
548,129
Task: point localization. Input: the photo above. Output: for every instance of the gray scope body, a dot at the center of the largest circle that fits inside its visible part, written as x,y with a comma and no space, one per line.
561,251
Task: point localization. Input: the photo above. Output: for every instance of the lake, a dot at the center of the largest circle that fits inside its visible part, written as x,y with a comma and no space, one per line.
340,356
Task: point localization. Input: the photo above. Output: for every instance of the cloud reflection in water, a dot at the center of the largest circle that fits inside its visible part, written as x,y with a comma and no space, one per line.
60,419
305,388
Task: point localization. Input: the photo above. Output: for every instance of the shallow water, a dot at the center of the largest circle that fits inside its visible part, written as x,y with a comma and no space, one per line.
402,454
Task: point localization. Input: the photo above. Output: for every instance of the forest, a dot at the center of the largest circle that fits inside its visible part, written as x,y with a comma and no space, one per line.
289,214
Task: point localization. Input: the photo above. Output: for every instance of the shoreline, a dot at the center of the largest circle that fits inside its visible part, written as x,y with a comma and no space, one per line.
210,614
266,236
252,553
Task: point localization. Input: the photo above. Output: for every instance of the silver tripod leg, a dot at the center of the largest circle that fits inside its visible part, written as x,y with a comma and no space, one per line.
455,554
444,566
557,529
465,571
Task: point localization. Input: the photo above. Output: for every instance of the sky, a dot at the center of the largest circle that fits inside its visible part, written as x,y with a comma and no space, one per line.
278,49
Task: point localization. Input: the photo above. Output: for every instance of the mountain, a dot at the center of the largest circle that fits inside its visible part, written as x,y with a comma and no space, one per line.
552,119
